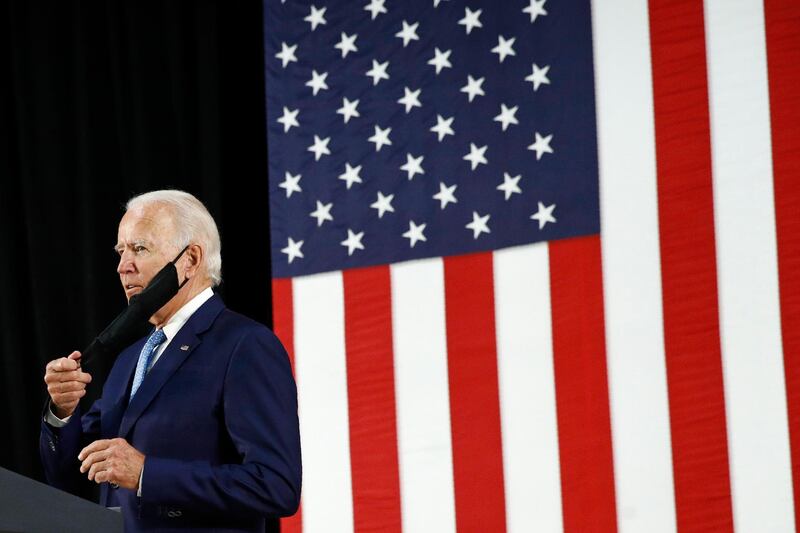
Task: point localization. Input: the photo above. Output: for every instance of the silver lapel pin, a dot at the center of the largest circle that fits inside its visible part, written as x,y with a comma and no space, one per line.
185,347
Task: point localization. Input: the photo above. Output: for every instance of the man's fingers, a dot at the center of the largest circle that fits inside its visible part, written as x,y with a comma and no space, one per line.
95,461
97,445
65,386
78,377
63,364
61,394
103,476
66,383
94,469
68,399
112,461
65,376
68,375
100,472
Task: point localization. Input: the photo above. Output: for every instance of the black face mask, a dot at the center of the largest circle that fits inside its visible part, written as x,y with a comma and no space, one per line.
160,290
129,324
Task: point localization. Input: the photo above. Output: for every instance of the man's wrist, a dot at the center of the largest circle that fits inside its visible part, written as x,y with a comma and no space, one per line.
59,412
52,418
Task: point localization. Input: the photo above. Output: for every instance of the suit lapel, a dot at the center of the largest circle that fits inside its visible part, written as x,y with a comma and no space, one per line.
178,350
116,399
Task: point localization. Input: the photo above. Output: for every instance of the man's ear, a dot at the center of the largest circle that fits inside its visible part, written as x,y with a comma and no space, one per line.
194,258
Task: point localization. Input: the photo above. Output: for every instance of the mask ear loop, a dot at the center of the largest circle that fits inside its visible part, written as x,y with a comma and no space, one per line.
180,254
176,260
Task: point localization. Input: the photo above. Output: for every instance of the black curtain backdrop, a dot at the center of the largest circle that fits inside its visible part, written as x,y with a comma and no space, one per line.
102,100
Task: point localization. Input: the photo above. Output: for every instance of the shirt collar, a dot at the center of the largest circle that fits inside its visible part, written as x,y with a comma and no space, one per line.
174,324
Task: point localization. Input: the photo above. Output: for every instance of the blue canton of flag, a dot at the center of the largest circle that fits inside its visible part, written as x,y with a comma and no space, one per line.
400,130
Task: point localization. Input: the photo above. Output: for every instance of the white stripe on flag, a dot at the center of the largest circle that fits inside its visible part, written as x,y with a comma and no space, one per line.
755,392
423,406
527,389
321,369
631,268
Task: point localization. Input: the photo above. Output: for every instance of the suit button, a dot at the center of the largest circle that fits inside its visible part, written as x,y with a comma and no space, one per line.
52,445
174,513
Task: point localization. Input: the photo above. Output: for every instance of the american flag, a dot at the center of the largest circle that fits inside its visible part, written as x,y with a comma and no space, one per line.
472,352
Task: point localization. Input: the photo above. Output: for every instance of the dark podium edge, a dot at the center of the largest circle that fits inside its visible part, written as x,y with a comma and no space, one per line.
29,506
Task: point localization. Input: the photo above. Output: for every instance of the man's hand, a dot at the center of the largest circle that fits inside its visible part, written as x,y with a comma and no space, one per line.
112,461
66,383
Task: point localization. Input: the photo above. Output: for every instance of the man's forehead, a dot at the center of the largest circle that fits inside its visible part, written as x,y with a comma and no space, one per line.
147,224
133,242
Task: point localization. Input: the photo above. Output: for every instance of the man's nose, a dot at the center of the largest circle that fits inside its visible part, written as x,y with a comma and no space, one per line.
126,264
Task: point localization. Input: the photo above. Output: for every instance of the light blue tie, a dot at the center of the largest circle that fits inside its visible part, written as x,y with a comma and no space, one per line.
146,355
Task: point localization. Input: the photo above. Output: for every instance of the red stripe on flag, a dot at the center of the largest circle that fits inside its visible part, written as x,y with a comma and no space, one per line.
783,57
474,396
688,267
283,326
283,314
579,364
370,392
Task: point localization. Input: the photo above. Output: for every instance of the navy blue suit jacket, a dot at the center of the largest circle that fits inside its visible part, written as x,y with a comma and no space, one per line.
216,418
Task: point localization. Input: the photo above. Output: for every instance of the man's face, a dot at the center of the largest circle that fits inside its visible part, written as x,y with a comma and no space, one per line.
144,244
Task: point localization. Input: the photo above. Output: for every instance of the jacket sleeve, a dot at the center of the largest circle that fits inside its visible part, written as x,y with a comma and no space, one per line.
260,407
59,447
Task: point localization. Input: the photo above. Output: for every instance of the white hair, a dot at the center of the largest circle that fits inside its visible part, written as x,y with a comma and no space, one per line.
193,223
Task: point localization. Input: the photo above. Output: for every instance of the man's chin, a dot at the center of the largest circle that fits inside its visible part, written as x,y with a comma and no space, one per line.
130,293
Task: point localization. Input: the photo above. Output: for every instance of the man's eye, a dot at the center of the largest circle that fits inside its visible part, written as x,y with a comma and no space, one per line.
139,249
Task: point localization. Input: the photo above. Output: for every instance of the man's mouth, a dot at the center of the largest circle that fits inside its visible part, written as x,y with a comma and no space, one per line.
131,289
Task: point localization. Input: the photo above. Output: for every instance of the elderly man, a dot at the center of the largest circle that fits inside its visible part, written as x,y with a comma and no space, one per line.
197,424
